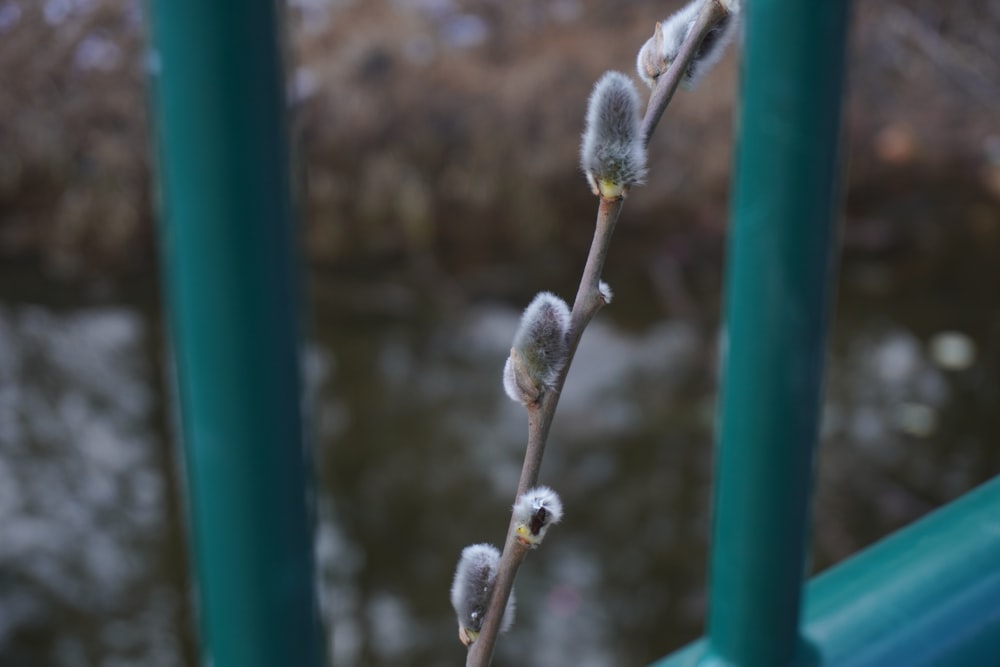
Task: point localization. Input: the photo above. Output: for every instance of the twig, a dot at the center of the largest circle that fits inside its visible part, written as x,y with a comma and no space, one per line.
588,302
711,13
953,63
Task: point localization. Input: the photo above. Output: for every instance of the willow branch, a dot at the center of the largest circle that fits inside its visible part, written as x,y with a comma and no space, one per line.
588,302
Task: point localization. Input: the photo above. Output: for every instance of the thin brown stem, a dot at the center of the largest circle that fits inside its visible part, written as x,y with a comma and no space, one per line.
588,302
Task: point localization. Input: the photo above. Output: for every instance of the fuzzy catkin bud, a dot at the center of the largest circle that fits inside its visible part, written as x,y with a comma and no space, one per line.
539,351
612,153
657,54
534,512
470,591
605,291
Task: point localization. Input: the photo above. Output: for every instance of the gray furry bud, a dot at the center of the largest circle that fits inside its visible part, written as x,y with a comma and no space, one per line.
660,51
650,62
612,153
534,512
470,591
539,351
517,381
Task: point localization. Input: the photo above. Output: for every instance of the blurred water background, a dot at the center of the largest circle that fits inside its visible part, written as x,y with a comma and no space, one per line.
436,147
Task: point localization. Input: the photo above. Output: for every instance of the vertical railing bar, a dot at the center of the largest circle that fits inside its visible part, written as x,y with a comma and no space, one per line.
779,290
231,285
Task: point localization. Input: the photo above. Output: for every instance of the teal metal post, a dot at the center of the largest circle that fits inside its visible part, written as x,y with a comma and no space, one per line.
779,287
232,288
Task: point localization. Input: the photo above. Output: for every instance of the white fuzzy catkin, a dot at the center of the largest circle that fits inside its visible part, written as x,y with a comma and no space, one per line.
470,591
539,350
612,153
662,48
607,294
534,512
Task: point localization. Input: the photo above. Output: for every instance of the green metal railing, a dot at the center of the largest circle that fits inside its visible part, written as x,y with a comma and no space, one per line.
778,286
926,596
231,283
929,595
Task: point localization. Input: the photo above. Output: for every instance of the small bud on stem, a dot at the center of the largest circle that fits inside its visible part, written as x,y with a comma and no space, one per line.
534,512
539,351
613,154
470,591
660,51
605,291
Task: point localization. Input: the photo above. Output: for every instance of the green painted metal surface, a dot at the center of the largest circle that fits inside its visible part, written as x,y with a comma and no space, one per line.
232,287
779,285
926,596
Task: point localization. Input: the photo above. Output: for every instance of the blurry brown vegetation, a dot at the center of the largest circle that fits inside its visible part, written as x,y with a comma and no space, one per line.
73,150
449,129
